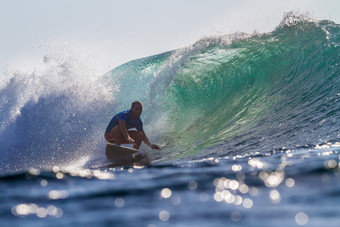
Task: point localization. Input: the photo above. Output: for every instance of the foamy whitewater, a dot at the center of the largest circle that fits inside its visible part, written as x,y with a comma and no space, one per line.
248,126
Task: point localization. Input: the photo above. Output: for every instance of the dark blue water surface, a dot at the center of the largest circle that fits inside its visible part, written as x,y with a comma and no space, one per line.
282,188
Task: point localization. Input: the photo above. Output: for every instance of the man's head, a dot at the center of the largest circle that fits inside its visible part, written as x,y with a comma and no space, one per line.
136,109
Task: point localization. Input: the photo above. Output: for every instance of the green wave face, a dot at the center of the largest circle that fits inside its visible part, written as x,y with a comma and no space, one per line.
256,91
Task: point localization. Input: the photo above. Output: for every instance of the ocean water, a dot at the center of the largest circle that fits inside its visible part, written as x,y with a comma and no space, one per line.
248,125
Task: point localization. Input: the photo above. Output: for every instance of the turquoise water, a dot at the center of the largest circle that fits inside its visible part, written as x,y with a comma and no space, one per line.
248,126
280,88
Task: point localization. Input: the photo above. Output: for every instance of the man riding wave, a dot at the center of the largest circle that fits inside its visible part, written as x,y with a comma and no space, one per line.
118,132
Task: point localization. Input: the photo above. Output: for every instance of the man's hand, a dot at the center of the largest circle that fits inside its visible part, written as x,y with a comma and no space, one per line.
130,140
154,146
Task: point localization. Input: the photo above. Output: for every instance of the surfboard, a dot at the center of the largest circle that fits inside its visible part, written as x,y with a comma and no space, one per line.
125,156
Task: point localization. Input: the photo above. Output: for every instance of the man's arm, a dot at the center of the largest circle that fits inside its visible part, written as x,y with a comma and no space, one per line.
147,142
122,126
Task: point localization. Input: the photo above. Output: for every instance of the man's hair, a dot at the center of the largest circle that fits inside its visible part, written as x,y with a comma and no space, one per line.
136,102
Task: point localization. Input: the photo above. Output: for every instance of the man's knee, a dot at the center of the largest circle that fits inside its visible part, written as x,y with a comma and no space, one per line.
114,135
109,137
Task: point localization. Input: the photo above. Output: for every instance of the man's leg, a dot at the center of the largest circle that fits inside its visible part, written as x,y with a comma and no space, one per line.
116,136
138,138
109,136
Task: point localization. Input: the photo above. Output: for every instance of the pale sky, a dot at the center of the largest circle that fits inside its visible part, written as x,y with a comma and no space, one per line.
119,31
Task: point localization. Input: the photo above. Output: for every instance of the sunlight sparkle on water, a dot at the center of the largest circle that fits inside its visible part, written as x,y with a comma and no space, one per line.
275,196
34,171
119,202
301,218
272,179
166,193
59,175
226,191
164,215
192,185
330,164
43,183
290,182
233,185
236,168
176,200
58,194
256,163
86,173
247,203
33,209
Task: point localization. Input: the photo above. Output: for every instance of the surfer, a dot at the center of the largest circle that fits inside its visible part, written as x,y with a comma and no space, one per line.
118,132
